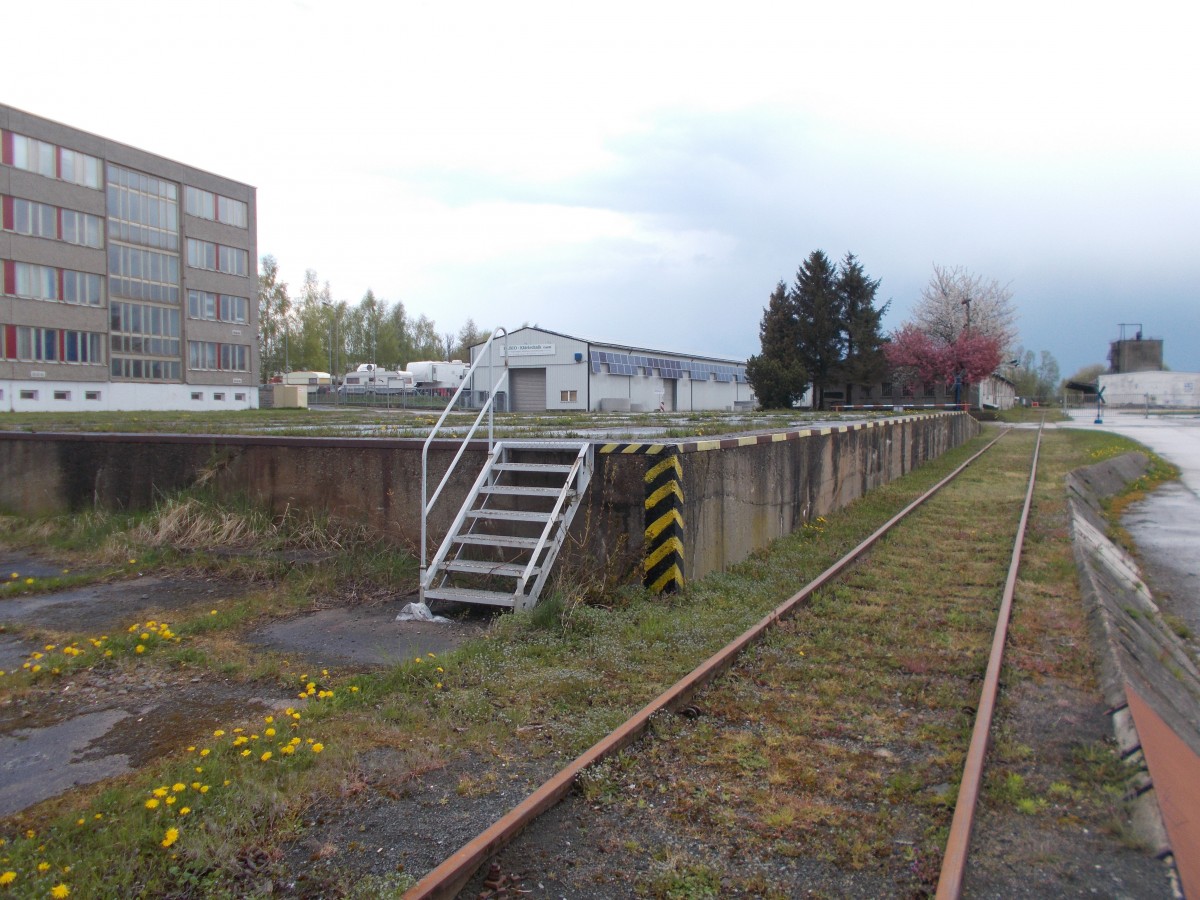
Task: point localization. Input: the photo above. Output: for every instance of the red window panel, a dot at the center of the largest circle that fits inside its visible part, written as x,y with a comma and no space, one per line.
62,344
10,341
10,276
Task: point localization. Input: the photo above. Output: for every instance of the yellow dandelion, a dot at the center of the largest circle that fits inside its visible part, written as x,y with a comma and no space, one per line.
354,688
265,756
171,837
245,753
29,581
205,752
195,785
36,669
60,890
98,816
152,803
184,810
419,660
269,719
220,732
287,750
431,655
7,878
438,685
204,788
43,866
169,800
212,612
178,786
145,635
227,783
15,575
133,562
317,747
139,649
108,653
50,646
325,672
79,821
160,792
270,732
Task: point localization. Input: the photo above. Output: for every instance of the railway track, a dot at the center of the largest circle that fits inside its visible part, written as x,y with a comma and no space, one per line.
776,638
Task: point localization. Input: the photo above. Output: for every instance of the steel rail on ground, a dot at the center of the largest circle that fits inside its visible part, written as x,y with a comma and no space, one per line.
448,879
954,863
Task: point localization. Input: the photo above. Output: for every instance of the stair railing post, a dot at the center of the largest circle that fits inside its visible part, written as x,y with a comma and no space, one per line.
426,502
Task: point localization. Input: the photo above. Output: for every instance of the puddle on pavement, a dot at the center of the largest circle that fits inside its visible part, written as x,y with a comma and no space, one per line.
37,763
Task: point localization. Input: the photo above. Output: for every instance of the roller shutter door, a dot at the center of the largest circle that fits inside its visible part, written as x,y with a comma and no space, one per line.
528,388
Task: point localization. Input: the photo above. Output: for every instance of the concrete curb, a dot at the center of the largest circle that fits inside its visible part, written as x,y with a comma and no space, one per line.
1134,645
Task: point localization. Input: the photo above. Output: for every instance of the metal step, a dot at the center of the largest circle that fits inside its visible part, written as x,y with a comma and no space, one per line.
544,445
497,540
508,515
469,595
516,490
547,468
484,567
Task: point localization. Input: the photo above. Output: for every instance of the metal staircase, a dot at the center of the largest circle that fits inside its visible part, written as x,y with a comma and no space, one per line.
505,539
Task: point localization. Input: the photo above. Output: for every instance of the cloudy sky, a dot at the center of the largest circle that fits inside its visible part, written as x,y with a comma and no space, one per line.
647,172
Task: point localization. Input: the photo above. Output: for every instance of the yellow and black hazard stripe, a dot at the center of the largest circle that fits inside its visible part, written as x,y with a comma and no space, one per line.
663,565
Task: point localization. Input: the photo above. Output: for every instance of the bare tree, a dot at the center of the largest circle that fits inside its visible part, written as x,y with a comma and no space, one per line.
956,298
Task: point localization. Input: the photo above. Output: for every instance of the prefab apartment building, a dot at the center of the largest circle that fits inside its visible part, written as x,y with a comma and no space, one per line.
129,280
552,371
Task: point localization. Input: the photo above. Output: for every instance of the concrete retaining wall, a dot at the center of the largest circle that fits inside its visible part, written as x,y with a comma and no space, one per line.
739,493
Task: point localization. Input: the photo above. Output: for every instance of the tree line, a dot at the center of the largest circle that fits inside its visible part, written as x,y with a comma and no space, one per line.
826,329
314,332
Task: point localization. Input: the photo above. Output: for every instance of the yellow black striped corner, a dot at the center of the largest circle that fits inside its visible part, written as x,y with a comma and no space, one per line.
663,565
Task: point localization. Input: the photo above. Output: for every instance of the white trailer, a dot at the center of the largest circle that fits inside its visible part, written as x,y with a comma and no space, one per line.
370,379
437,376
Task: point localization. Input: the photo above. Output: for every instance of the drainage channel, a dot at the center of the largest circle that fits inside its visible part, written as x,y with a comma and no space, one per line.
447,879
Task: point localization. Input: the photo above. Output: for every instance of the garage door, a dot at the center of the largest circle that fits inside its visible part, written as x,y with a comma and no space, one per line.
528,387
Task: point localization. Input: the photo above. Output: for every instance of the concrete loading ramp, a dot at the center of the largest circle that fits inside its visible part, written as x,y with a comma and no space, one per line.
735,494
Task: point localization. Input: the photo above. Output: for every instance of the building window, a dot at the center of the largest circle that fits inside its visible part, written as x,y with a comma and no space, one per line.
196,395
929,388
218,307
149,330
907,390
28,395
91,395
49,160
240,398
568,396
217,257
81,228
137,369
47,283
142,210
143,274
62,395
885,389
211,356
30,344
206,205
220,396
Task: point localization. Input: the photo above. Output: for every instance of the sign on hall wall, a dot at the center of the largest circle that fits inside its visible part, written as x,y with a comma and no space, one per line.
528,350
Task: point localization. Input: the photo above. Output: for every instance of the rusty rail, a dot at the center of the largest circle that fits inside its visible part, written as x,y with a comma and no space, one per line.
954,862
448,879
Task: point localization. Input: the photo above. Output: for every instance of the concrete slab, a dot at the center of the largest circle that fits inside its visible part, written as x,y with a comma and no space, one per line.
364,635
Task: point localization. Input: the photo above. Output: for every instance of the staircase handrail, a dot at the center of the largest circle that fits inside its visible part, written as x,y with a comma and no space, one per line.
488,407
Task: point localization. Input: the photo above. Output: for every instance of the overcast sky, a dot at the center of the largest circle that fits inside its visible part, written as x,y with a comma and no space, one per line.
647,172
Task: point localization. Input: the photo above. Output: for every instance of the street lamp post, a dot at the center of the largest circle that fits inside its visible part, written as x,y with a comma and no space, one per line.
966,301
